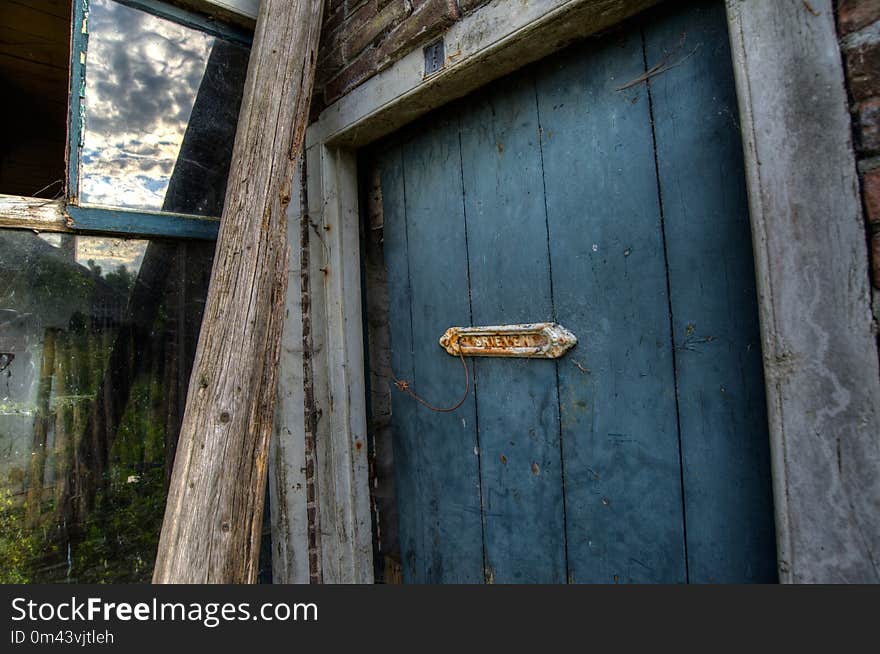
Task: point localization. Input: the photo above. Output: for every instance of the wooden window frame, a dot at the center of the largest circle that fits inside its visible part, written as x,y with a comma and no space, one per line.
812,278
68,214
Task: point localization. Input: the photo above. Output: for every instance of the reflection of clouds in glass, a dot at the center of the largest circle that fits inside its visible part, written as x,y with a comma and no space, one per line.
142,77
52,239
107,252
110,253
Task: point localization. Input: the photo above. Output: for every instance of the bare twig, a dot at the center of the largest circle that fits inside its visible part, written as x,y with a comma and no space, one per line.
659,69
810,8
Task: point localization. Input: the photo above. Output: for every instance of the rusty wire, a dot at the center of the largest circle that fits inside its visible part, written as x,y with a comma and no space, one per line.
405,386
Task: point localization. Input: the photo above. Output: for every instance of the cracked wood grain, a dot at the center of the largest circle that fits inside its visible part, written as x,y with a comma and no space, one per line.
212,527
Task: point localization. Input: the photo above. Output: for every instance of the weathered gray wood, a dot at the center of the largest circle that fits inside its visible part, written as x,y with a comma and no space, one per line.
32,213
347,559
821,360
287,475
213,517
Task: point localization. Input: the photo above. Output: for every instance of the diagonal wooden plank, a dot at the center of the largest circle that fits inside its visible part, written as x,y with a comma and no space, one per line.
213,517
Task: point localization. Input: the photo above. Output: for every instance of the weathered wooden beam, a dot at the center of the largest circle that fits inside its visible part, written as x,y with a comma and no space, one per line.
33,213
212,527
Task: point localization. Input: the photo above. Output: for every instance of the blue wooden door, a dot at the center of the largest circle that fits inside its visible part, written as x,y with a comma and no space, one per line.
602,189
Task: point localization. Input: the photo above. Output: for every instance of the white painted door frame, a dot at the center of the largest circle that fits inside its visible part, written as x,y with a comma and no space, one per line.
820,350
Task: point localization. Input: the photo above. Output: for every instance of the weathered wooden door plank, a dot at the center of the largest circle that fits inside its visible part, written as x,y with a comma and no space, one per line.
445,544
405,433
721,393
517,401
617,390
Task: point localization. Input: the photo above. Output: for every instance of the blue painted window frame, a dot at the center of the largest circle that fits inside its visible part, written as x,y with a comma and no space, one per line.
99,219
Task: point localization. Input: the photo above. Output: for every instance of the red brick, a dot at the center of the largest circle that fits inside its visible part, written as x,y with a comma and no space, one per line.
853,15
351,6
334,5
426,22
341,67
330,62
868,117
332,20
362,68
369,22
863,71
875,259
871,192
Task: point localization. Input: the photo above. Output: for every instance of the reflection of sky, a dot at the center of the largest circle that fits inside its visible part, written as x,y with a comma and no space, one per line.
110,253
142,76
107,252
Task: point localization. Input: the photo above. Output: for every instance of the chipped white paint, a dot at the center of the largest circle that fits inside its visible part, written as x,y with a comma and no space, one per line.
347,544
249,8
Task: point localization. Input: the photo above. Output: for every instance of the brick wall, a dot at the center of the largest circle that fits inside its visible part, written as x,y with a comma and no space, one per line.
362,37
858,24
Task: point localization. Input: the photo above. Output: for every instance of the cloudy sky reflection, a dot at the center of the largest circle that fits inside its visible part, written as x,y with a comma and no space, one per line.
142,77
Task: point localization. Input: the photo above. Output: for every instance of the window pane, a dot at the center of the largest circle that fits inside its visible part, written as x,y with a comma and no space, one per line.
97,337
161,107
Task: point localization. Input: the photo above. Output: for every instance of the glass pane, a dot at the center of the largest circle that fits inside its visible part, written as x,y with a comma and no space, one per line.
97,337
161,106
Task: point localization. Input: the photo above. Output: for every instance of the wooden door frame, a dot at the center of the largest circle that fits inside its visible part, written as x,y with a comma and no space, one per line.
820,351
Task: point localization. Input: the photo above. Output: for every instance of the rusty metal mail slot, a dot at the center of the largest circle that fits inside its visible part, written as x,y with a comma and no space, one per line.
539,340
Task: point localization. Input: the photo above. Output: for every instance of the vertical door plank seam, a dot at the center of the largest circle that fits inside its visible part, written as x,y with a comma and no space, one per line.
473,369
669,302
412,355
568,575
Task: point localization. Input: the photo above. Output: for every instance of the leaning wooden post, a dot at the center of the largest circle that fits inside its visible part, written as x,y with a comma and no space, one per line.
211,531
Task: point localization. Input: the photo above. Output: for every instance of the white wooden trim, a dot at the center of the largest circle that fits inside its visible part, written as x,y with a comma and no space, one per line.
342,452
820,348
287,474
820,354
